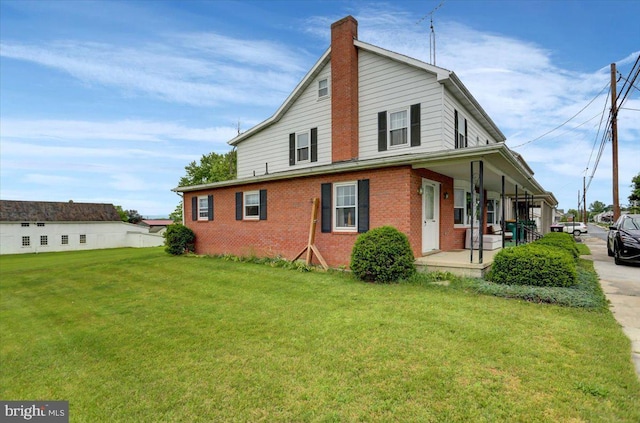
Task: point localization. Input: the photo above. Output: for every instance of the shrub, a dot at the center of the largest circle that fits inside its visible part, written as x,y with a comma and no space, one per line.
534,264
179,239
382,255
561,240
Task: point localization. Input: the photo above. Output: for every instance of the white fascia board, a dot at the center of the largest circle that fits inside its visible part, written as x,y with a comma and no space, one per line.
324,59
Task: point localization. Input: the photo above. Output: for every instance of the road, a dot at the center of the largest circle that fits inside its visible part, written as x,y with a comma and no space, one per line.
621,285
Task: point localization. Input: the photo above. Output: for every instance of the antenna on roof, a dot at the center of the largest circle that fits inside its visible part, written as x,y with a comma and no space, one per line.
432,34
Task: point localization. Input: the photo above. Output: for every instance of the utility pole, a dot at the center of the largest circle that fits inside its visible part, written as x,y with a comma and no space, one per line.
614,143
584,200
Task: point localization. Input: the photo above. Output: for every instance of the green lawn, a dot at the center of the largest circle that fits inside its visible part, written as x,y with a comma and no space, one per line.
133,335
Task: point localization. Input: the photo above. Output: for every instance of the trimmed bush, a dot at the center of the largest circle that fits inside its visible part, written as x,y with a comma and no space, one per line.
382,255
560,240
534,264
178,239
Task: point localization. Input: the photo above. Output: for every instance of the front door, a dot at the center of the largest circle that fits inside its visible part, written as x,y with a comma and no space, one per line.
430,215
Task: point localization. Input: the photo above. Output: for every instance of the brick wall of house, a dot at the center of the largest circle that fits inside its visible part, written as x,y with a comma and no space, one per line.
393,200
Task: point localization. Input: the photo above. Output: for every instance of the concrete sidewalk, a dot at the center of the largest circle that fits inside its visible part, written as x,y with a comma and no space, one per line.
621,285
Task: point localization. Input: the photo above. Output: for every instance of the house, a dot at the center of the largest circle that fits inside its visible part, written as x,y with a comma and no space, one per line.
380,139
156,226
41,226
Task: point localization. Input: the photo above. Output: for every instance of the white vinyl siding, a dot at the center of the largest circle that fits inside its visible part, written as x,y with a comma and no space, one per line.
387,85
476,135
271,145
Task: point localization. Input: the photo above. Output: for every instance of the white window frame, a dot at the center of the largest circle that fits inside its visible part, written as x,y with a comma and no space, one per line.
64,240
300,148
246,205
496,211
323,92
468,208
24,224
407,127
337,207
26,241
456,205
83,238
44,240
462,143
203,212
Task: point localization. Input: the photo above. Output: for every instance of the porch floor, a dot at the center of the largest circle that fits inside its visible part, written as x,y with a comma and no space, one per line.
457,262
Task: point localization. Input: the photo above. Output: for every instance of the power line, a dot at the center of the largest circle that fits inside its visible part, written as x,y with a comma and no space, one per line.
565,122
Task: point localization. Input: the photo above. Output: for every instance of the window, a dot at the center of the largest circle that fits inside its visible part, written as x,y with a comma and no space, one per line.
346,211
492,212
460,131
398,128
40,224
24,225
83,239
203,208
65,239
44,240
323,88
26,241
252,205
302,147
459,207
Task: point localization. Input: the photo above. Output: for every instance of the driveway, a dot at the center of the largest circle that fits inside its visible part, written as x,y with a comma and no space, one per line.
621,285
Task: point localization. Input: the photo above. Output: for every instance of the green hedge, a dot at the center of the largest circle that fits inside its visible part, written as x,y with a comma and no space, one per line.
560,240
534,264
382,255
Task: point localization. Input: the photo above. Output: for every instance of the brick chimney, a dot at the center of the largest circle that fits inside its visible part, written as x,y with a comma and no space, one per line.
344,90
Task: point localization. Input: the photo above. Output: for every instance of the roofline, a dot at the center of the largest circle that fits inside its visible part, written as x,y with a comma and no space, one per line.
401,160
297,92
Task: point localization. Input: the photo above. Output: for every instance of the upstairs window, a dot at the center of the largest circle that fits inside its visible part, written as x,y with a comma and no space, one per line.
302,147
398,128
460,130
323,88
40,224
24,225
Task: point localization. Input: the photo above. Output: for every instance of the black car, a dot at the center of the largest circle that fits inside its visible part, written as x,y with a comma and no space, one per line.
623,241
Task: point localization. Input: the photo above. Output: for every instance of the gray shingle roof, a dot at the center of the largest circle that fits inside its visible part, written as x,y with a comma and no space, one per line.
45,211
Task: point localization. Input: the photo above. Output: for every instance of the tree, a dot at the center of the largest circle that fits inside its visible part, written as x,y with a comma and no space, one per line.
176,216
571,213
597,207
122,213
213,167
133,216
634,197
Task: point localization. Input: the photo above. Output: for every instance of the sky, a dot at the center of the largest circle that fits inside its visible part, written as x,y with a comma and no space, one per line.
108,101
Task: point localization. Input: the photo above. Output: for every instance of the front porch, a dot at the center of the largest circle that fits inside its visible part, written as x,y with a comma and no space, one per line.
457,262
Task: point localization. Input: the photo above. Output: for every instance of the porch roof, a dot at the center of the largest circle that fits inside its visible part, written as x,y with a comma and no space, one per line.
498,161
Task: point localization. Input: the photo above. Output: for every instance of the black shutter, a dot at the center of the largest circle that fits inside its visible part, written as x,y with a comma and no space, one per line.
466,140
194,207
415,125
292,149
325,213
263,204
210,207
314,144
363,205
238,206
455,130
382,131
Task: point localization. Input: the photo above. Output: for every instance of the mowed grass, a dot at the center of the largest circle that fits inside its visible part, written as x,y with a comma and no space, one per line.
136,335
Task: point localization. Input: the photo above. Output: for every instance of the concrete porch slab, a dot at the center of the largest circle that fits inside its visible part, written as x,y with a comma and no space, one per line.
457,262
